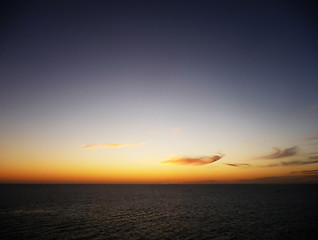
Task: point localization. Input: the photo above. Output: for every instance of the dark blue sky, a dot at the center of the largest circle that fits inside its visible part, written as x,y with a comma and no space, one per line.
259,48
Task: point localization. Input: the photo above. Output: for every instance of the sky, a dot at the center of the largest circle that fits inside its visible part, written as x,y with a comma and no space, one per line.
158,92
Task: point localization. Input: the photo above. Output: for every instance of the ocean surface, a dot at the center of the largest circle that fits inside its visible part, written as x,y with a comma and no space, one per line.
158,212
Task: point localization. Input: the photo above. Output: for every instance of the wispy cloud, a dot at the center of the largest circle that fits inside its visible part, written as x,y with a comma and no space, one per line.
194,161
238,164
311,138
111,145
298,162
292,163
314,107
281,153
307,172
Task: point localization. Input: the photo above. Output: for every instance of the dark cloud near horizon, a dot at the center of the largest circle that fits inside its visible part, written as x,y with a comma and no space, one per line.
238,164
194,161
211,181
307,172
289,179
298,162
292,163
282,153
282,179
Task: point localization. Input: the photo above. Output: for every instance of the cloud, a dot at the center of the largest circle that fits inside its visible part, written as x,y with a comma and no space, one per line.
314,107
298,163
111,145
292,163
282,153
281,179
307,172
311,138
194,161
303,177
238,164
211,181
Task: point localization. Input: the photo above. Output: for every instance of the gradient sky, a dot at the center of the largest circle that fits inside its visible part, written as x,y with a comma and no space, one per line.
158,91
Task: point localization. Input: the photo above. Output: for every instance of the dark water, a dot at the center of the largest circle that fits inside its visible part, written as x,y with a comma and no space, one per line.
158,211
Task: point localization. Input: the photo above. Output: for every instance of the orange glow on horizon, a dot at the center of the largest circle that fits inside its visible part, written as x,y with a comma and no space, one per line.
160,174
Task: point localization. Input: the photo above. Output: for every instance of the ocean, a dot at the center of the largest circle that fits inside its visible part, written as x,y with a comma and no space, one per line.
158,211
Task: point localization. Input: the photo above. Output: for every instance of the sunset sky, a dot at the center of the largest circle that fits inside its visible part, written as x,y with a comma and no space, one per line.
158,92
